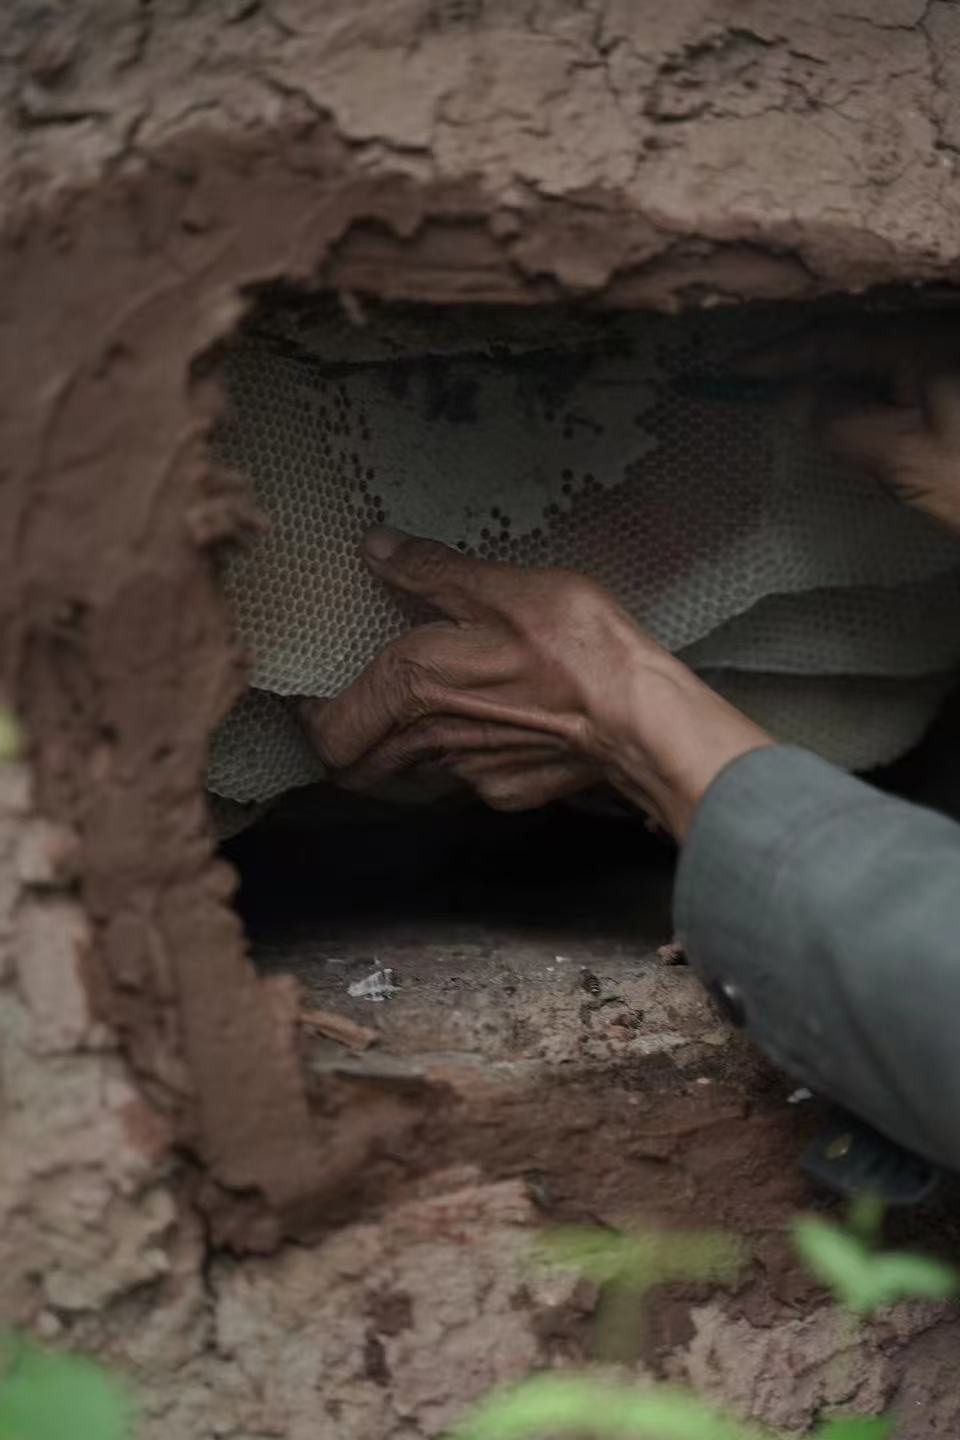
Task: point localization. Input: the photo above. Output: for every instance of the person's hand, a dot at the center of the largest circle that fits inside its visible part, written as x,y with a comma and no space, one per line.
909,436
535,685
509,767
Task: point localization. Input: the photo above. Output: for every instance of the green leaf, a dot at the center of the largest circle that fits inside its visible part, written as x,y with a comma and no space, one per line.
900,1275
11,738
865,1217
642,1259
862,1279
855,1427
50,1396
557,1404
839,1261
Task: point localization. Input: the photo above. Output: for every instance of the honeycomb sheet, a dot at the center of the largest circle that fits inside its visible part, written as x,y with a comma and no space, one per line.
800,589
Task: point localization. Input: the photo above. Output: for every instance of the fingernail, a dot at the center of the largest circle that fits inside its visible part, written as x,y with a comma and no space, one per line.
383,540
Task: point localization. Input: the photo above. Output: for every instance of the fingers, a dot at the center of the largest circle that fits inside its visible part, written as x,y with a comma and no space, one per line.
436,670
942,406
458,585
421,673
447,740
509,767
885,349
419,567
527,787
392,691
914,451
854,350
872,438
869,437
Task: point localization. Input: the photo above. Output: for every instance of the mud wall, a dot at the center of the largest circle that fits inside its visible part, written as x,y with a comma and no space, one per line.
158,163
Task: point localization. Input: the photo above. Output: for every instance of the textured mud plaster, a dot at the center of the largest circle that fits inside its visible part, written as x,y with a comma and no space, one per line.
426,151
157,162
389,1324
85,1211
143,197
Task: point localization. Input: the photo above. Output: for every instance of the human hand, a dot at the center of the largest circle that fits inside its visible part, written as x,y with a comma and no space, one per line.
535,685
509,767
910,436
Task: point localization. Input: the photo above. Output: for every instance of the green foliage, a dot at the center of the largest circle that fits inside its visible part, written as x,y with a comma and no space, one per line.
580,1404
11,738
855,1427
644,1258
865,1218
862,1279
45,1395
556,1405
561,1404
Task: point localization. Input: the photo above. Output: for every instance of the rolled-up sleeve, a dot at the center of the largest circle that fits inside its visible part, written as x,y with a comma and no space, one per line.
828,915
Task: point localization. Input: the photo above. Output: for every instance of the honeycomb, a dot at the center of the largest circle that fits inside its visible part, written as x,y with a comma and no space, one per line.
798,588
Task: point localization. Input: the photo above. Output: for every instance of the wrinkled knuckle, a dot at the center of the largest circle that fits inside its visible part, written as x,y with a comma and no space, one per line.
500,794
331,756
404,678
425,561
908,456
919,469
428,737
423,732
330,746
581,596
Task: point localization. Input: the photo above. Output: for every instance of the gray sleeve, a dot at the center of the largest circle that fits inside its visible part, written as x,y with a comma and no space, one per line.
830,915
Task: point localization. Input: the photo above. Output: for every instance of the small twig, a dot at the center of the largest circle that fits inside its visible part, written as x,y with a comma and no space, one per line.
672,954
339,1028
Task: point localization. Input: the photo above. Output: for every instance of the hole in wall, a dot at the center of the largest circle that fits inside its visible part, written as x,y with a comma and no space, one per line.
559,436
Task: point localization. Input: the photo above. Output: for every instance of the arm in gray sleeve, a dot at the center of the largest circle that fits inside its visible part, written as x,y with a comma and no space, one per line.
831,913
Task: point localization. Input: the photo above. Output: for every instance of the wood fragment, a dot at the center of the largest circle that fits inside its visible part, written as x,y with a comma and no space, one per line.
339,1028
672,954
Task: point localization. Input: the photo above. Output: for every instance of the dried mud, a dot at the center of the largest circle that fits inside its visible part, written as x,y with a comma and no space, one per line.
161,168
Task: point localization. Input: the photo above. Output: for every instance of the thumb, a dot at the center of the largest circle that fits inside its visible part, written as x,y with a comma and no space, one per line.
425,568
875,439
942,404
458,585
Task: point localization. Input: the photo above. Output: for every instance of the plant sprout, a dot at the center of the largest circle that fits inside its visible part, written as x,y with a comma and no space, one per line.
49,1396
562,1404
642,1259
862,1279
11,738
558,1405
